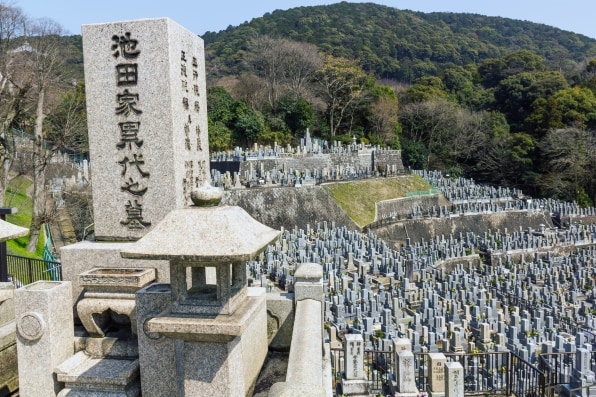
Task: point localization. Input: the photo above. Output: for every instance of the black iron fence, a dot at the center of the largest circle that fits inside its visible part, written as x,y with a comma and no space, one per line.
24,271
485,373
558,367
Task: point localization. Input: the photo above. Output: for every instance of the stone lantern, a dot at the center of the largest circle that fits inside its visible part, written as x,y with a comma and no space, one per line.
215,322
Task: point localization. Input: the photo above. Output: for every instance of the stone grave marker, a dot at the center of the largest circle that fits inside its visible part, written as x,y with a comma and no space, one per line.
146,102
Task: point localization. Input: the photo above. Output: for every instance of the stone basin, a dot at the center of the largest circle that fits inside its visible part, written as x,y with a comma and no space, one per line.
110,278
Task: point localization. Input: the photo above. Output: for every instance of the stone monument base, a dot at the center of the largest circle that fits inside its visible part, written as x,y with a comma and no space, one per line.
106,377
355,387
118,345
219,355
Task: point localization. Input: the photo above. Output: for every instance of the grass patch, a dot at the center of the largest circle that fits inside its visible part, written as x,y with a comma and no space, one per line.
17,197
358,198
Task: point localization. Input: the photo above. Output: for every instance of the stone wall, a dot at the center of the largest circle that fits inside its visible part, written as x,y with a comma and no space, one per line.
401,208
289,207
386,158
417,229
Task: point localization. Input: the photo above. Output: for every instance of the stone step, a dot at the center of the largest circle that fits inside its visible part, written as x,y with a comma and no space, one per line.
106,377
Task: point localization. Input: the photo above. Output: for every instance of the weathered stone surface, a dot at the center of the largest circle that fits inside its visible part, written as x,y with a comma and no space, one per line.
284,389
280,320
45,335
86,255
309,282
280,207
102,377
454,379
306,363
147,120
218,235
157,359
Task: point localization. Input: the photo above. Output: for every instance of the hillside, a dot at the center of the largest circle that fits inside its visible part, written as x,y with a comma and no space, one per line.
398,44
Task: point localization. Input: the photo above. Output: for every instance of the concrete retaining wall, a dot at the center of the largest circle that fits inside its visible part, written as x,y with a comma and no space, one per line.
416,229
289,207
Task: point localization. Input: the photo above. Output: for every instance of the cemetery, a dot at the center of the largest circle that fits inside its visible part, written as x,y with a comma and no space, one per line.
187,289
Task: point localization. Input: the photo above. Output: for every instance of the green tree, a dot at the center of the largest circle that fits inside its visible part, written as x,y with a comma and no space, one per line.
515,94
578,107
220,105
341,85
248,124
546,115
220,116
220,136
493,71
426,89
296,112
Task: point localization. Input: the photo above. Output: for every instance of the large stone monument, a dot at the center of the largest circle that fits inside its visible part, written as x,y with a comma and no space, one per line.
147,117
148,142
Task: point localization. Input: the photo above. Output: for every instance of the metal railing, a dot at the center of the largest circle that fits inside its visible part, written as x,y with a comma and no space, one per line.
378,367
24,271
558,367
494,373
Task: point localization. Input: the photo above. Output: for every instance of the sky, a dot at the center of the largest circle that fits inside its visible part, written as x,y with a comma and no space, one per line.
200,16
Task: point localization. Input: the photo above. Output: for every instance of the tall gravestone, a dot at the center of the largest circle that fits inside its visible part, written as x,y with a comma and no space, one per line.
437,374
454,379
148,142
406,378
355,383
147,120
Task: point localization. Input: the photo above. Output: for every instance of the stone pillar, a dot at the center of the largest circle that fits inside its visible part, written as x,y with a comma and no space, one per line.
45,336
305,363
355,382
400,345
406,381
437,374
157,363
454,379
309,282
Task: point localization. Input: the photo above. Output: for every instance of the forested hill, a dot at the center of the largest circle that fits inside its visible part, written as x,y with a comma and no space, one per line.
400,44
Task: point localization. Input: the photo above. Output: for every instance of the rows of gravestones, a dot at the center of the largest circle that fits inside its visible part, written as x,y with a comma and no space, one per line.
530,307
468,196
257,176
57,185
307,145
